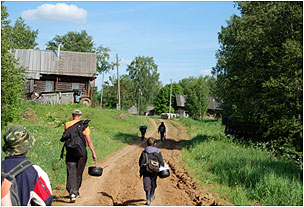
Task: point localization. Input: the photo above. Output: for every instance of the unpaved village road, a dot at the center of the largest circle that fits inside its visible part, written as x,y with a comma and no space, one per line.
120,183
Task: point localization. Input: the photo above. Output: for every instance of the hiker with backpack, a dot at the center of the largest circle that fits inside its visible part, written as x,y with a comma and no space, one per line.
76,137
22,182
149,162
162,131
143,130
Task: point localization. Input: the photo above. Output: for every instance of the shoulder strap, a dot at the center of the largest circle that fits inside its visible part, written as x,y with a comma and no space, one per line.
85,124
147,158
18,169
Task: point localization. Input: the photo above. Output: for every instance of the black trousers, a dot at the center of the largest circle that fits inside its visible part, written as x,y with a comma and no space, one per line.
162,136
149,181
75,168
143,135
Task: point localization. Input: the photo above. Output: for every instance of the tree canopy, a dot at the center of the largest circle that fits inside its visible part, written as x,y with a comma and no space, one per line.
72,41
259,72
22,36
162,100
197,91
143,73
12,78
126,89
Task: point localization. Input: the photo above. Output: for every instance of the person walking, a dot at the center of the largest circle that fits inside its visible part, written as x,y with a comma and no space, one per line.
33,184
149,178
162,131
143,130
76,164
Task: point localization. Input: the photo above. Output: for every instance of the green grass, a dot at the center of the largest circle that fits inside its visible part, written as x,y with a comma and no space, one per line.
242,174
108,134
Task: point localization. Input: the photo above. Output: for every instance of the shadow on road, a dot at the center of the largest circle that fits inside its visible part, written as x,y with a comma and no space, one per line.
132,139
125,203
61,199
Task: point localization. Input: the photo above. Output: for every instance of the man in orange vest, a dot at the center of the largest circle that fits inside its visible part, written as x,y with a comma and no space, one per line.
76,165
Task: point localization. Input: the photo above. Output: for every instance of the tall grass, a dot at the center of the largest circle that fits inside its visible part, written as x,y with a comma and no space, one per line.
108,134
244,175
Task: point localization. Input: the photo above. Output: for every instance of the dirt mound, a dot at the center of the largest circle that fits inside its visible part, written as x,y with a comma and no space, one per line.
122,116
29,114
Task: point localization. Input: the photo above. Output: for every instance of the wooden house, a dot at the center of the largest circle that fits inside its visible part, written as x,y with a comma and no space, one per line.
214,106
55,76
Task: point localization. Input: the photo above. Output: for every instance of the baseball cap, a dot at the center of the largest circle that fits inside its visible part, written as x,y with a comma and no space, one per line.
77,112
17,140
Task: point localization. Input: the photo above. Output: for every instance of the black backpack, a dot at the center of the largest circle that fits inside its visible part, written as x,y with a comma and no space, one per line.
162,128
74,139
11,177
152,165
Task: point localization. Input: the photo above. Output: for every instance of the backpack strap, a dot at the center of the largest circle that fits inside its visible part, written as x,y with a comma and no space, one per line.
17,169
11,176
147,158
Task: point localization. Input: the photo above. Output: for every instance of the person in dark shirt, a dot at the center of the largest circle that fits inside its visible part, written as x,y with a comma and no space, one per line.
162,131
149,179
143,130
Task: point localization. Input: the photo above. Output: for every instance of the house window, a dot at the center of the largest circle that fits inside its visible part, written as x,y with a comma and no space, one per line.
49,86
75,86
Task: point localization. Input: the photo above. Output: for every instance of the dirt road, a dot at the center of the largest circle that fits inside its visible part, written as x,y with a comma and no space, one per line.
120,183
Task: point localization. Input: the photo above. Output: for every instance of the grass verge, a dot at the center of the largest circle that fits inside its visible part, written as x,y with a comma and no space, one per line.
242,174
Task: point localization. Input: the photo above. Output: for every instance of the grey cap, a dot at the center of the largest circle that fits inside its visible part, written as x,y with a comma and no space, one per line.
77,112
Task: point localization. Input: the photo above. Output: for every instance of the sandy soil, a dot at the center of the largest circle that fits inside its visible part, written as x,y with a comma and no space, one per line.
120,183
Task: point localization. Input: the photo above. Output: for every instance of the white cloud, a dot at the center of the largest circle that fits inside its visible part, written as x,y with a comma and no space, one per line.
57,12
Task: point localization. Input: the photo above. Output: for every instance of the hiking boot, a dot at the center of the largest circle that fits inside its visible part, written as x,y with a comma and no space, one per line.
73,198
148,196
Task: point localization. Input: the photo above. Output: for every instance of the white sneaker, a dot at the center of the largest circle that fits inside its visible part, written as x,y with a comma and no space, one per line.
72,198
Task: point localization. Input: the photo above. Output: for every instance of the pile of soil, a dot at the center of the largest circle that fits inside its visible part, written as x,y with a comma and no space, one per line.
122,116
29,114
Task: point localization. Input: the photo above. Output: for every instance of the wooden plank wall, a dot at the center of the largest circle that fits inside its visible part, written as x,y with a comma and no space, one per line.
62,86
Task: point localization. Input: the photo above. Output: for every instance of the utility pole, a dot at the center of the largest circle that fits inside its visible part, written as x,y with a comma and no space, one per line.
118,84
200,104
138,105
101,93
170,100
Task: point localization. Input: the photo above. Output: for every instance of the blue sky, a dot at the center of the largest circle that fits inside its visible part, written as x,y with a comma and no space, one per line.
181,36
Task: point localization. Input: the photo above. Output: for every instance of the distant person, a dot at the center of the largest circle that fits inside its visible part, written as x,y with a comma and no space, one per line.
76,162
162,131
151,152
33,184
143,130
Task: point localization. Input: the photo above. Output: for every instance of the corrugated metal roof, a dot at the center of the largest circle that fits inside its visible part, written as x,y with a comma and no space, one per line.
47,62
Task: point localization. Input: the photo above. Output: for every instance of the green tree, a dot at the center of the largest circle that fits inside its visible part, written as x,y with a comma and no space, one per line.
72,41
109,94
162,100
259,72
196,90
103,65
12,78
126,90
211,82
143,73
22,37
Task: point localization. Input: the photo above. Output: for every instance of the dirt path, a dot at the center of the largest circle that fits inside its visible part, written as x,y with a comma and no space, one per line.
120,183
